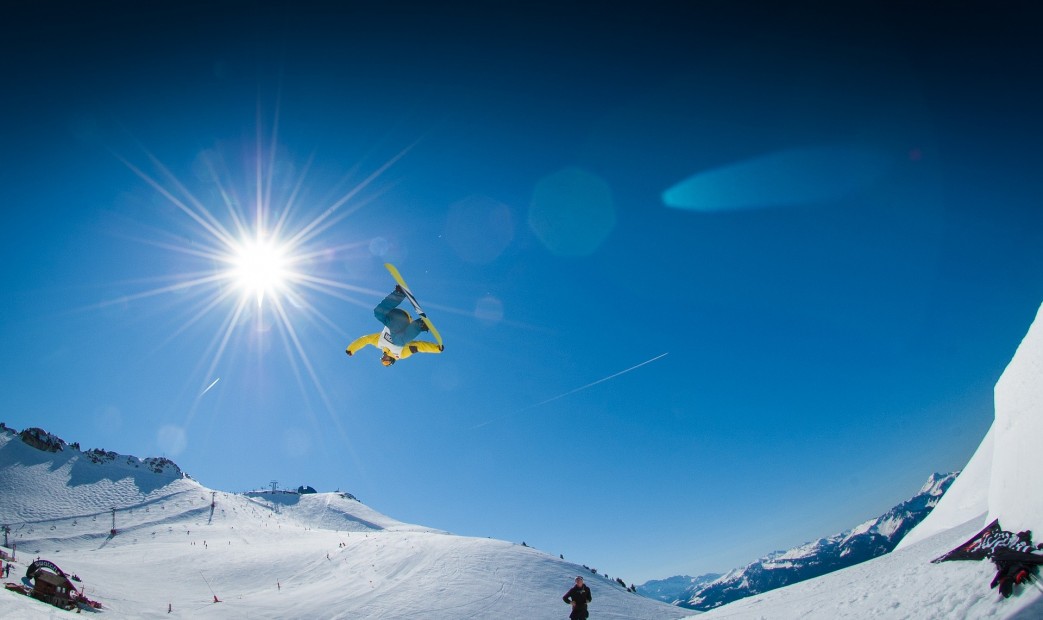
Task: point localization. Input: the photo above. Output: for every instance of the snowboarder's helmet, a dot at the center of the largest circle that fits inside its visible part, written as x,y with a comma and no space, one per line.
387,360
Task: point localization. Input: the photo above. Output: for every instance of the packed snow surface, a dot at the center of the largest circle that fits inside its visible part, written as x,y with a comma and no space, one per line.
902,585
179,546
1001,481
263,555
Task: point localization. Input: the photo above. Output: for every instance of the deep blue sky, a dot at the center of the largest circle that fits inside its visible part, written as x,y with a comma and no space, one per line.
828,216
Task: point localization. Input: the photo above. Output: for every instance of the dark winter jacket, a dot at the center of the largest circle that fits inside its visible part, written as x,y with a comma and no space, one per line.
578,597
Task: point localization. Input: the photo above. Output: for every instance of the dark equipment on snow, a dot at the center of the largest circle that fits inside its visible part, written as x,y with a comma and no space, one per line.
1012,554
1014,568
51,585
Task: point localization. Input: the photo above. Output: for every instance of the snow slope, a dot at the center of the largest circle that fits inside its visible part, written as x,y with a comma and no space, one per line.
1000,481
329,556
263,555
1016,488
900,585
871,539
967,498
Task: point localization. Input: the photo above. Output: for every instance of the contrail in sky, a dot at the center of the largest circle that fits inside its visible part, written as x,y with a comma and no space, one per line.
211,385
579,389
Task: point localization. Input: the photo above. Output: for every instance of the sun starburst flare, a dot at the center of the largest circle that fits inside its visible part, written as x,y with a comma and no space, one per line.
266,256
261,267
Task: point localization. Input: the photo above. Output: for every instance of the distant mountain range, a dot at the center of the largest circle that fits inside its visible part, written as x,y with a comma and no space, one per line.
782,568
669,590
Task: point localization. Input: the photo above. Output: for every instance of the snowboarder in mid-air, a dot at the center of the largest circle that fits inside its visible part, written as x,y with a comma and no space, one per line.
397,340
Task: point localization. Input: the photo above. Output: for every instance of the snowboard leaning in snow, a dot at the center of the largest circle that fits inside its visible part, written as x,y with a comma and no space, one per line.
416,306
988,542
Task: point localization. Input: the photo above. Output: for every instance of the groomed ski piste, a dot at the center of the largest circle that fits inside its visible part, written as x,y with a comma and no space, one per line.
179,545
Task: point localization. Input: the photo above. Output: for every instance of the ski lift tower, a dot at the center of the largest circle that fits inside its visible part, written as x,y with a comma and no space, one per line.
275,485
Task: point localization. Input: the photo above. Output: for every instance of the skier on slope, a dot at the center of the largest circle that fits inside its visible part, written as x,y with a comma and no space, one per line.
396,340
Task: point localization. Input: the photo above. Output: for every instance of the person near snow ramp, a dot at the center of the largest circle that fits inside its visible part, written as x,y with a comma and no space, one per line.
578,597
397,340
1013,554
1016,564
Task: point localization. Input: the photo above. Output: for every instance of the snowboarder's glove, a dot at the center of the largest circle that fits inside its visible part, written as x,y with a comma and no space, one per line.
423,326
399,289
348,351
413,349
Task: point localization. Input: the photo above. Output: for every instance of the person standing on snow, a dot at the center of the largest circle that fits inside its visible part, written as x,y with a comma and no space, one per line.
578,597
396,340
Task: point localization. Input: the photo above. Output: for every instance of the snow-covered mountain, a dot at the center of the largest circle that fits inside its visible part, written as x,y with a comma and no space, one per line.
180,544
144,538
825,555
1001,481
672,589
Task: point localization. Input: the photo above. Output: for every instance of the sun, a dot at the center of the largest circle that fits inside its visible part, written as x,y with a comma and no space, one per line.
260,267
256,257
